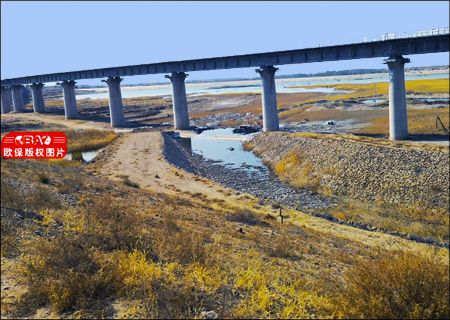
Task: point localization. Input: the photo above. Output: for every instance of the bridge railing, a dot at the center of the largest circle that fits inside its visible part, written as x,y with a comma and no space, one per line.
421,33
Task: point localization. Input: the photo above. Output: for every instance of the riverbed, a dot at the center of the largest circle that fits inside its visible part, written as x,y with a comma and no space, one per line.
192,154
219,155
287,85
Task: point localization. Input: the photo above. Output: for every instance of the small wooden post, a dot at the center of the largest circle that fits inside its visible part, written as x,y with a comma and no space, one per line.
281,216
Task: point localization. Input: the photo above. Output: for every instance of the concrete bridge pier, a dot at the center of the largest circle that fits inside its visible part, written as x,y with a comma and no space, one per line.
70,102
17,98
38,97
398,116
115,102
6,99
179,100
269,98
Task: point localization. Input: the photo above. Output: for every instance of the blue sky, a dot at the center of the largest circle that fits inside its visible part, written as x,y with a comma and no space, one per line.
45,37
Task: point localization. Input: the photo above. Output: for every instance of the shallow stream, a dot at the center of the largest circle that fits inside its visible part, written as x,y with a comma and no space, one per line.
85,156
219,155
224,146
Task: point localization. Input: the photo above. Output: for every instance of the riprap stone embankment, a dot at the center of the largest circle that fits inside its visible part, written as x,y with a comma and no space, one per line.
363,171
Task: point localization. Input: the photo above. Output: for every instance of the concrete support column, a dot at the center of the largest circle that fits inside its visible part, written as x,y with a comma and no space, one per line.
179,100
398,117
115,102
269,98
6,100
70,103
38,97
17,98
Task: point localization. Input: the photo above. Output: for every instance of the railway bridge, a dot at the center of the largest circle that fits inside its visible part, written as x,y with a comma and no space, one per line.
393,50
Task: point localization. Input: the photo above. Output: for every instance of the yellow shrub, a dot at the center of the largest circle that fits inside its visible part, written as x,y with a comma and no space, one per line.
250,278
400,287
298,171
208,280
134,268
184,247
287,163
63,273
301,304
270,294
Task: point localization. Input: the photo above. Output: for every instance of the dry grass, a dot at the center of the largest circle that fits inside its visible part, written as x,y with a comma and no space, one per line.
299,172
419,122
415,220
165,256
244,217
27,200
172,267
382,88
428,86
138,101
396,287
248,145
128,182
64,273
106,253
77,140
85,140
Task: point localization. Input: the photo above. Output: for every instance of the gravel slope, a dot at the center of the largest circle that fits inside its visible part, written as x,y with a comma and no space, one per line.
367,172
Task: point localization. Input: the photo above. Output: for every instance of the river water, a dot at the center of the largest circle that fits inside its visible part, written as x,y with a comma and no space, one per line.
85,156
249,86
224,146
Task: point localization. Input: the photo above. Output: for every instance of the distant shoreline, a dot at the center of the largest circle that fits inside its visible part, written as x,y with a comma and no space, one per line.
320,75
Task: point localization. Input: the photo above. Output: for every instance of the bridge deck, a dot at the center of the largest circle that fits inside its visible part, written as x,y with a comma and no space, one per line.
386,48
